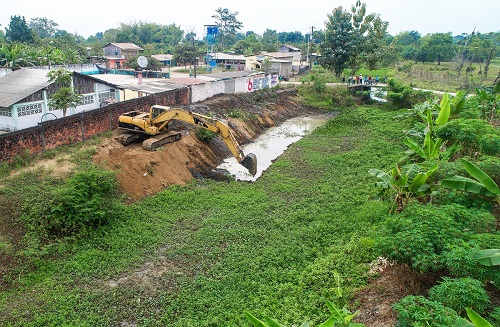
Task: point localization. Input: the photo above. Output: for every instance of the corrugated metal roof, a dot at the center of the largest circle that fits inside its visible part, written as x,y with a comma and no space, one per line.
21,83
125,46
163,57
230,75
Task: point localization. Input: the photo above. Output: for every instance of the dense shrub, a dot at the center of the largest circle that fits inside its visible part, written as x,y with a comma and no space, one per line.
460,262
461,293
489,144
494,316
331,96
417,311
404,96
83,202
421,234
205,135
466,132
340,96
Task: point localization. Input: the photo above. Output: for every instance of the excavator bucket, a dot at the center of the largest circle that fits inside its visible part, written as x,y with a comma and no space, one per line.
250,163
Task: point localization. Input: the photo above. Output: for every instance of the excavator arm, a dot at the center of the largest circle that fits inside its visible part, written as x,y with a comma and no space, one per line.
160,116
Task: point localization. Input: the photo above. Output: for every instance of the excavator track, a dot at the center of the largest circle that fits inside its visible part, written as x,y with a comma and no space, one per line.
157,141
129,138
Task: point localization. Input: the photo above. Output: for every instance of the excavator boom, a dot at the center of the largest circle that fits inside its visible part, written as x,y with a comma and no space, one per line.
154,124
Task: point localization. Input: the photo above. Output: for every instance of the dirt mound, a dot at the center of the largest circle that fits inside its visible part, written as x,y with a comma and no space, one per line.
142,173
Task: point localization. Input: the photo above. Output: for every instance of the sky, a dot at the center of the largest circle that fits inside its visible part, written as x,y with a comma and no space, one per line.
88,17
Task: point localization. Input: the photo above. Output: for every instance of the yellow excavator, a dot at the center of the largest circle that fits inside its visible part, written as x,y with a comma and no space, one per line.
152,128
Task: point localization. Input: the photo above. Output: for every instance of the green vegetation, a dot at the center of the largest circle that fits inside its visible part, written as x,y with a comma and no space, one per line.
419,311
448,234
214,246
460,294
205,135
209,252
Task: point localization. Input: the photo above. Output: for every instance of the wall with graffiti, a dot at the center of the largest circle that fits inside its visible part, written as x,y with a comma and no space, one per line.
200,92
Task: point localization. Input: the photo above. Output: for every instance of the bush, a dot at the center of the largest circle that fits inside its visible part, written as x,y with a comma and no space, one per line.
461,293
403,96
422,233
340,96
22,159
494,316
416,311
489,144
460,262
205,135
84,202
466,132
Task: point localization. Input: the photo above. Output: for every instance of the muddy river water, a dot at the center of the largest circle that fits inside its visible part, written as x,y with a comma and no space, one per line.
268,146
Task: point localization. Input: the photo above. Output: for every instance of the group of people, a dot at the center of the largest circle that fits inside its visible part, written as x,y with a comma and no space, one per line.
366,80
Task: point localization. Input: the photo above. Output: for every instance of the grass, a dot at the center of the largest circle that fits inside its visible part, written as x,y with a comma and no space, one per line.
203,254
420,75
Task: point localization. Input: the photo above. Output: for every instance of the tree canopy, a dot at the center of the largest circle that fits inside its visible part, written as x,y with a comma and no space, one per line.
352,38
228,24
18,30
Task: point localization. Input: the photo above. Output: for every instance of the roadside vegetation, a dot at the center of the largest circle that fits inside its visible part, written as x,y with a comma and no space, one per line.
294,245
413,181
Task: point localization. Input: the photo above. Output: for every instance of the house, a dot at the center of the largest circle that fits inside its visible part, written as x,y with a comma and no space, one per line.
296,52
116,54
288,48
229,61
165,59
24,96
281,63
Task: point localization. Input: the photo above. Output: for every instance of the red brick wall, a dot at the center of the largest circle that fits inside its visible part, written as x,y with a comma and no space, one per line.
76,128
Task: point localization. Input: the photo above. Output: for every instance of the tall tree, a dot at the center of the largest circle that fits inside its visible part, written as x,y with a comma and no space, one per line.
18,30
227,23
43,27
185,53
436,47
352,38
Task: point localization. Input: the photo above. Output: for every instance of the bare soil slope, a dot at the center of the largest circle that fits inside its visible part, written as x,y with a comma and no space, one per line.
142,173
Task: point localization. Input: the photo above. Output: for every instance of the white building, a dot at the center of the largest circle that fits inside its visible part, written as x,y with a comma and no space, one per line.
24,96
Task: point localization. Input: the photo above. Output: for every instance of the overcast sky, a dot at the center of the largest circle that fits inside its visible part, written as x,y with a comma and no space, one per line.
91,16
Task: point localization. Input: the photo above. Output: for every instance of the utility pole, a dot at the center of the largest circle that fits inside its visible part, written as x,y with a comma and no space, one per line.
309,46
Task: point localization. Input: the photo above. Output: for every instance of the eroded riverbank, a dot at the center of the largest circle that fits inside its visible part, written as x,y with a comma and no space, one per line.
271,144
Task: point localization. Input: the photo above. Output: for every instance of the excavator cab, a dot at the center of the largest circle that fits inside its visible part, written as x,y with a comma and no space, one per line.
156,111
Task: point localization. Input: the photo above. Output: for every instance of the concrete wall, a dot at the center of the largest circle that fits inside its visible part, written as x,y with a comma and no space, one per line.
84,124
81,126
207,90
200,92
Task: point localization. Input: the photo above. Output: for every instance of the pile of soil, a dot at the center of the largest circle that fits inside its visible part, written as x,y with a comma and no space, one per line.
143,173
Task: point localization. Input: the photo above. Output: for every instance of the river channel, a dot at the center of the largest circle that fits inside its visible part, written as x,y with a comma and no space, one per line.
270,145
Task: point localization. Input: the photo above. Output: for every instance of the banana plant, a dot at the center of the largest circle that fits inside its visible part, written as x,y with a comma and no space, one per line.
339,317
406,183
489,99
488,257
483,184
429,149
475,320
